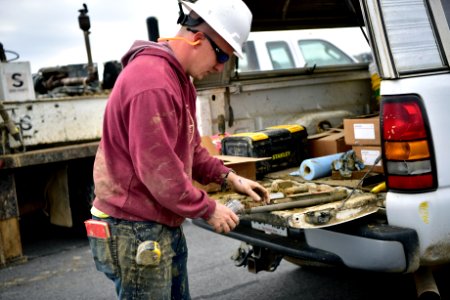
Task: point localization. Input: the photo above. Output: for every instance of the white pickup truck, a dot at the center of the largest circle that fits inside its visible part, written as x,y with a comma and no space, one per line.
410,42
287,49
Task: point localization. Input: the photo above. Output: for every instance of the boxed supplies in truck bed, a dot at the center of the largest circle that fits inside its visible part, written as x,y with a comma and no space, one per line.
327,143
362,131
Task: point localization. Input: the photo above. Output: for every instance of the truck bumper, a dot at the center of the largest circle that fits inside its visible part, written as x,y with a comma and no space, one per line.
372,247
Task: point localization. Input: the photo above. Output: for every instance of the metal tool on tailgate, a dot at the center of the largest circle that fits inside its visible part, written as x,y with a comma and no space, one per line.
303,200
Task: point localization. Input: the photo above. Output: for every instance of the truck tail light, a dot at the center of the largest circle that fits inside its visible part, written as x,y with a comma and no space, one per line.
407,145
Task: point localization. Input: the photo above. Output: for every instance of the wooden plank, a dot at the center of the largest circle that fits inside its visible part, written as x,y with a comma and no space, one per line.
8,200
10,243
48,155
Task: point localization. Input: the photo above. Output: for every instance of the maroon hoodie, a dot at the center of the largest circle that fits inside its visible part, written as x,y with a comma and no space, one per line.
150,148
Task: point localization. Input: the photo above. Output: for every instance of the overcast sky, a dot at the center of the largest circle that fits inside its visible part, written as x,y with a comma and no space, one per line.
46,32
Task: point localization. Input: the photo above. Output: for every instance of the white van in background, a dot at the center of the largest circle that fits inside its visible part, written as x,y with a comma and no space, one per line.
276,50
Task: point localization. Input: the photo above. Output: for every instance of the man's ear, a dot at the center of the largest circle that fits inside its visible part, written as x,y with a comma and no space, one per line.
198,37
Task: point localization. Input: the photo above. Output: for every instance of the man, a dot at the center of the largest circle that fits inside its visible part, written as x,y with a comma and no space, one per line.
150,152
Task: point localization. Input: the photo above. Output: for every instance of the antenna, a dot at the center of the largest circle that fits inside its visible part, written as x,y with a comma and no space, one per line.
85,25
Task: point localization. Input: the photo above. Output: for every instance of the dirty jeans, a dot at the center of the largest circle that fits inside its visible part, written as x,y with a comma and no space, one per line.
116,258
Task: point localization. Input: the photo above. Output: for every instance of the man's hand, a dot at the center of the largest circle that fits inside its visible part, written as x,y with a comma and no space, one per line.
249,187
223,219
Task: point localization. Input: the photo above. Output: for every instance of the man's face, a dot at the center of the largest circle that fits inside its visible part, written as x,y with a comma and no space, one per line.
213,53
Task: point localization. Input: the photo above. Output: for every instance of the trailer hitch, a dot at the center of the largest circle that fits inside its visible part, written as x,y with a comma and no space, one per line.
241,255
256,258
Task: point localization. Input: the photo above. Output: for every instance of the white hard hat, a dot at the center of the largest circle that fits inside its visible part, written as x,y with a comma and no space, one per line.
231,19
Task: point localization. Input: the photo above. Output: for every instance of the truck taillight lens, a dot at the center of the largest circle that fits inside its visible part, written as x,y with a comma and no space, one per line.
407,145
407,150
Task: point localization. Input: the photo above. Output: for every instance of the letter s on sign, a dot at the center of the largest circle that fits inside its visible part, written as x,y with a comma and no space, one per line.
17,81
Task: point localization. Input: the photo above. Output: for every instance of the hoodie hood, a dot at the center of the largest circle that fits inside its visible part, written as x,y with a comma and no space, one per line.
155,49
139,46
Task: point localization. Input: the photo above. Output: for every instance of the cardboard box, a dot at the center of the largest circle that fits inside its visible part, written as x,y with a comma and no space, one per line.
362,131
327,143
243,166
368,154
209,145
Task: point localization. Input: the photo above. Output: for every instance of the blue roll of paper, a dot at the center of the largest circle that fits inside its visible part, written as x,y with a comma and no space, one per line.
317,167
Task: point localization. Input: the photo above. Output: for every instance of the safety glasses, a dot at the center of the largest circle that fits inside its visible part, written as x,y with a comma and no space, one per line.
221,56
